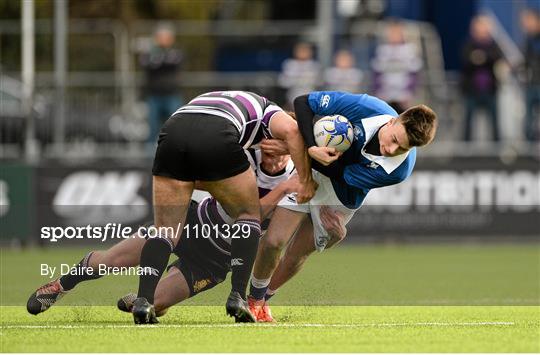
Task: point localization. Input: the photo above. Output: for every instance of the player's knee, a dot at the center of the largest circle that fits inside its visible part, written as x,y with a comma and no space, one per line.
162,312
272,244
249,213
160,309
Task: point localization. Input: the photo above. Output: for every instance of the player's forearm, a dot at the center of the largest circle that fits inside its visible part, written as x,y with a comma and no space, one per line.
270,201
299,155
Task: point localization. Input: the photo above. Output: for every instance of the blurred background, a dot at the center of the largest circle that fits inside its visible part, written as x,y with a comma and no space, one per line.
85,86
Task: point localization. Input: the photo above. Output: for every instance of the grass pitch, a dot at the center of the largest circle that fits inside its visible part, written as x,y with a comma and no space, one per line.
301,329
439,298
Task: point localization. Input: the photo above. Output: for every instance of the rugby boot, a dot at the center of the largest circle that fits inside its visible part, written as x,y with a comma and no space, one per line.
143,312
238,308
261,310
265,314
125,304
45,297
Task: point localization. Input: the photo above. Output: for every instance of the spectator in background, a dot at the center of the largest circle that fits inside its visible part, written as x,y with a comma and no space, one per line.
299,74
162,66
478,81
530,21
395,66
343,76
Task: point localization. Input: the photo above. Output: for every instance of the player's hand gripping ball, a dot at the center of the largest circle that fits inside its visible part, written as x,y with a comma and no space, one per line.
333,131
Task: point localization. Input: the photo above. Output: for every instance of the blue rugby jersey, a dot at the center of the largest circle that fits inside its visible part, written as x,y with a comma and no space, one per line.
362,171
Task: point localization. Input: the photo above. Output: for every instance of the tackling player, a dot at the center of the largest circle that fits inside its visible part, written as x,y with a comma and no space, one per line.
203,141
382,154
204,261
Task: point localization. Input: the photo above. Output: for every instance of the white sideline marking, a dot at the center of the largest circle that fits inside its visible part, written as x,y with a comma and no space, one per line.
278,325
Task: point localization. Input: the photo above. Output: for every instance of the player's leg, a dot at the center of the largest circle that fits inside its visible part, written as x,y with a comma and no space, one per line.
200,267
190,276
292,261
171,289
297,252
282,227
239,196
125,253
171,200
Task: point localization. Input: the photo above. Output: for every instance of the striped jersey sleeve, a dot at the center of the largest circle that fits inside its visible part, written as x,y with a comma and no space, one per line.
249,112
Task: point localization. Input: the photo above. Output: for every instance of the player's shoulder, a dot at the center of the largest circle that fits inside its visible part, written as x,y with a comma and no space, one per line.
404,169
368,104
391,170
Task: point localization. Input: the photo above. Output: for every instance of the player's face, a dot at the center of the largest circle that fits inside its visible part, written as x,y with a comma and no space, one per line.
274,163
393,139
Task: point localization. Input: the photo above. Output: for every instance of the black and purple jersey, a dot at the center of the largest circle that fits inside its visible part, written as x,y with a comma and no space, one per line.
210,212
249,112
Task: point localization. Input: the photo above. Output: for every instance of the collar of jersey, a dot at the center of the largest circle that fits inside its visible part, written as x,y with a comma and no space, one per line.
371,125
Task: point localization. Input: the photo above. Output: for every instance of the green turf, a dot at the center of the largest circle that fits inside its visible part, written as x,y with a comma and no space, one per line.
301,329
388,298
347,275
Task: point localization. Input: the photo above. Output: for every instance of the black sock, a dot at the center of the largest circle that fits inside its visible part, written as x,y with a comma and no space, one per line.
243,252
269,294
154,257
83,273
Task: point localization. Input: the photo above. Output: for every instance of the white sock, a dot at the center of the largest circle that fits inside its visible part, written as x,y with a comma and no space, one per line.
259,283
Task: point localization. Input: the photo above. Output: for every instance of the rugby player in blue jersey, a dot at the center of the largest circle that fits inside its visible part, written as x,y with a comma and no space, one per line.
383,153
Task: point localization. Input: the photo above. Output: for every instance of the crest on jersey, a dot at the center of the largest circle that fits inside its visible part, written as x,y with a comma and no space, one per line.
373,165
325,100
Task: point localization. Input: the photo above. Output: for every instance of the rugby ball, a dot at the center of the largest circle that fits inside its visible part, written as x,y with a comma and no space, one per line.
333,131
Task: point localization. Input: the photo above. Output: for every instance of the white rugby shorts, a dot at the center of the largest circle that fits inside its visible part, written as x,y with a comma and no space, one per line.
324,196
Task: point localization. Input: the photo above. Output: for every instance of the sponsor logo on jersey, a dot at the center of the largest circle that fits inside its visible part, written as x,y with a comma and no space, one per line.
237,262
325,101
357,132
